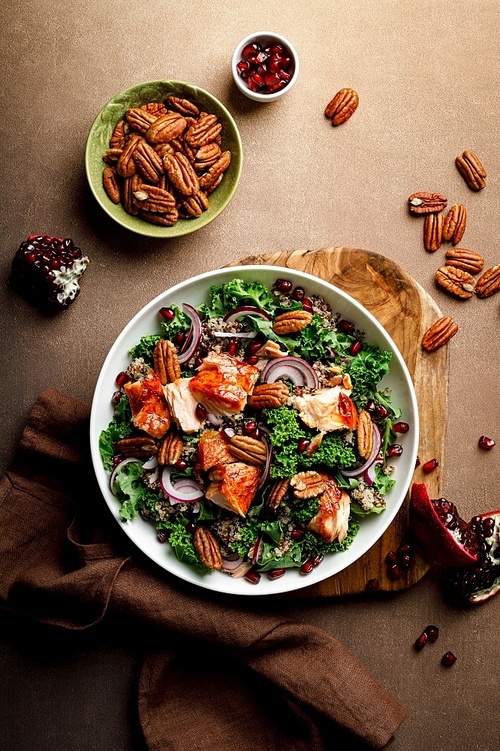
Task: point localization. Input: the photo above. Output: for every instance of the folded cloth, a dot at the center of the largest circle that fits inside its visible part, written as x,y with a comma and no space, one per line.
216,673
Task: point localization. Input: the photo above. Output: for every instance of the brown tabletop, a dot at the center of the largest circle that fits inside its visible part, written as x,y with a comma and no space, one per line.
428,77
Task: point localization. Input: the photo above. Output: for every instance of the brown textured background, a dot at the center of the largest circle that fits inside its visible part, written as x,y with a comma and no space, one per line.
428,77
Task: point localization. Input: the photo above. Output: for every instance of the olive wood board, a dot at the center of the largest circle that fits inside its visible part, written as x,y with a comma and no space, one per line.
405,310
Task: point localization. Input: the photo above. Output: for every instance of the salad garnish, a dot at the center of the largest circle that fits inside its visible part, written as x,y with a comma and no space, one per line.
252,431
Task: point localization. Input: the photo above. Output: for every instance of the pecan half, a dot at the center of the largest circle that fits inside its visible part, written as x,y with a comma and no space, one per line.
206,129
140,119
111,156
364,434
148,162
433,231
454,223
138,446
269,395
181,173
216,171
183,106
166,361
457,282
426,203
439,333
119,135
278,491
154,108
153,199
464,259
342,106
126,165
111,185
129,186
171,448
250,450
489,282
308,484
471,169
207,548
196,204
206,156
166,127
292,321
168,219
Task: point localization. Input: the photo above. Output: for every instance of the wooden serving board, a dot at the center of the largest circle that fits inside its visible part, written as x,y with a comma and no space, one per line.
405,310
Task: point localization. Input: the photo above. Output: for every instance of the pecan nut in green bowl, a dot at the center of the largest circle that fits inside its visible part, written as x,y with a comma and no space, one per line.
163,158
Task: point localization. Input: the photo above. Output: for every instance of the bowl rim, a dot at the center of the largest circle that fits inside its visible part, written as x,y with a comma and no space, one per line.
268,36
218,582
191,225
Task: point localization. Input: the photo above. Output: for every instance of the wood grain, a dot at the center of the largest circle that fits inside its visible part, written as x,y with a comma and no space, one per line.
405,310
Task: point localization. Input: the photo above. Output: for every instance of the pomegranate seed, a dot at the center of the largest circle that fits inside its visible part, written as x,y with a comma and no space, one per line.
232,347
179,338
251,359
307,305
181,464
404,561
284,76
346,327
228,433
277,573
391,556
244,68
303,444
116,398
162,536
191,527
255,81
421,641
430,465
201,411
253,347
306,567
249,427
317,559
298,294
167,313
116,459
253,577
372,585
432,633
380,412
250,49
297,534
486,443
394,450
283,285
395,572
448,659
400,427
370,406
198,361
121,379
404,549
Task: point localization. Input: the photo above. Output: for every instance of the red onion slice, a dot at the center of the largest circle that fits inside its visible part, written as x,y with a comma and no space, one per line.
128,460
369,473
236,335
257,550
246,310
230,565
293,368
267,464
377,442
185,490
193,338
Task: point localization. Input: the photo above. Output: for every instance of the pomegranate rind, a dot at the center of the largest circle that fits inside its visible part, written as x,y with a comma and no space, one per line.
482,595
438,542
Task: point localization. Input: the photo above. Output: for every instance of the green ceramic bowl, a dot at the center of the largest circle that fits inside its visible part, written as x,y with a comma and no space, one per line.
151,91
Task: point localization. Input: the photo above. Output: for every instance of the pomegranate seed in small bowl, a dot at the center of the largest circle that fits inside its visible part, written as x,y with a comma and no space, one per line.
265,66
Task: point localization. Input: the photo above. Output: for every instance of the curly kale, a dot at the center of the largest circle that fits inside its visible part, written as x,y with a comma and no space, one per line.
233,294
119,427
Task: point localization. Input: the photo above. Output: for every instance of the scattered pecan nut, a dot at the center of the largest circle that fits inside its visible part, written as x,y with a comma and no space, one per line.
426,203
292,321
439,333
470,167
278,491
342,106
171,448
364,434
433,231
464,259
207,548
308,484
248,449
457,282
110,183
489,282
166,361
454,223
269,395
138,446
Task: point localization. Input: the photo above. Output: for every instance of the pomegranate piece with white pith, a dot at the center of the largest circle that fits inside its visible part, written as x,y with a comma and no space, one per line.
480,582
47,270
437,525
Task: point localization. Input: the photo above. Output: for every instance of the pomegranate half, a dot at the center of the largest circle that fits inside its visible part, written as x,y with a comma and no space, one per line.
437,525
480,582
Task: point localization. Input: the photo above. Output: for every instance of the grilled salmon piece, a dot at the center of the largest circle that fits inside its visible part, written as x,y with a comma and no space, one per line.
332,520
233,486
328,409
150,412
212,450
182,405
223,384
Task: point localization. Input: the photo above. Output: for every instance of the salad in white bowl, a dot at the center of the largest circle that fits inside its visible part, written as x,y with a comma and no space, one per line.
259,424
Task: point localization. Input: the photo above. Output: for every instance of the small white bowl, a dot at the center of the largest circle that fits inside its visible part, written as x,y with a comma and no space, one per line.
264,38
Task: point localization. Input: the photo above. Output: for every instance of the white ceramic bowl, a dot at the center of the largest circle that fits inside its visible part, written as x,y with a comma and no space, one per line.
264,38
194,291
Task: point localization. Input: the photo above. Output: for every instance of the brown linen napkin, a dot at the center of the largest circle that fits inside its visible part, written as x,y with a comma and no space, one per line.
217,672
